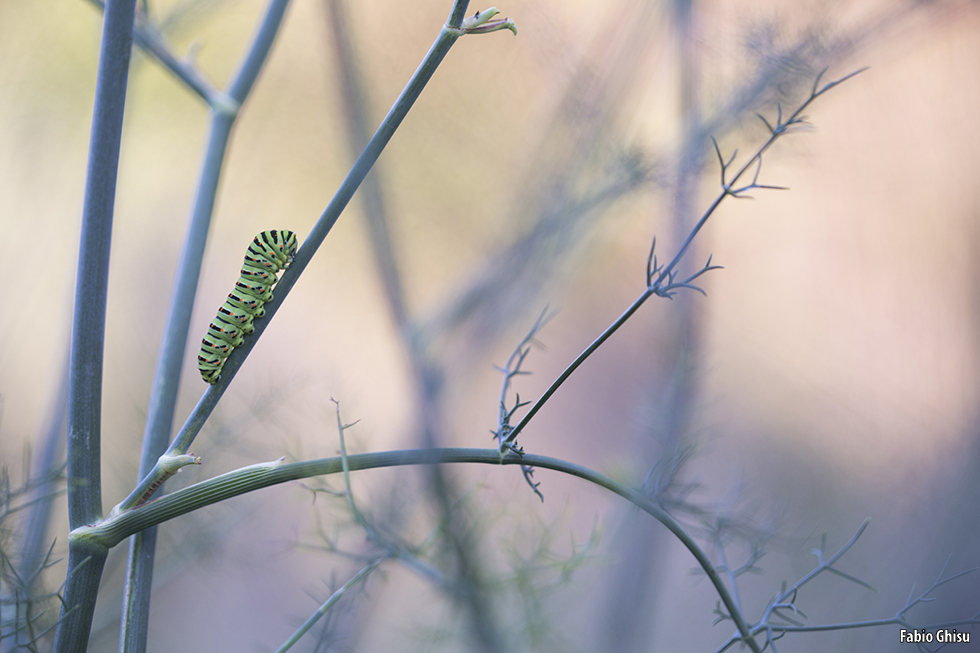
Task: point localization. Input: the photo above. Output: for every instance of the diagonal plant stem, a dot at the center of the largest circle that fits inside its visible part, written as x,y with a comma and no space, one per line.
327,605
163,396
660,280
85,561
199,415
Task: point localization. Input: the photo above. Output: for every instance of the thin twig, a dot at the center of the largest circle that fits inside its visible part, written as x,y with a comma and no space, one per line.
664,284
327,605
153,42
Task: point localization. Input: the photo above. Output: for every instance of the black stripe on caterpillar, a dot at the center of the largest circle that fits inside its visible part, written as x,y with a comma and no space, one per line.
269,252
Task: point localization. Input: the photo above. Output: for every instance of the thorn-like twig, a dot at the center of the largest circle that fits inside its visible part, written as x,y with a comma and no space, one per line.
504,434
766,122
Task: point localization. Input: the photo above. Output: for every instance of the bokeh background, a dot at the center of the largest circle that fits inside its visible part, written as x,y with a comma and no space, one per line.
829,376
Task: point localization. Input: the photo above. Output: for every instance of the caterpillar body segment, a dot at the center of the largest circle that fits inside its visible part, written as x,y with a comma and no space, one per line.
253,288
269,252
262,276
277,247
210,367
215,347
246,302
262,255
227,331
236,315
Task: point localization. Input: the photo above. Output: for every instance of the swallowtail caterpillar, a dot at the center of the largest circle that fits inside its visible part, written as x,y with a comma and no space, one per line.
269,252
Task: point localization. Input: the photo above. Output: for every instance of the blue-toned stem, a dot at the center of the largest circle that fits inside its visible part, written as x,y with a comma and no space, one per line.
163,396
611,329
88,325
457,14
85,564
244,78
664,278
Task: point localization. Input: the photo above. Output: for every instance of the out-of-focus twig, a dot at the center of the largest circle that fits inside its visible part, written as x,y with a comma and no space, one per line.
152,41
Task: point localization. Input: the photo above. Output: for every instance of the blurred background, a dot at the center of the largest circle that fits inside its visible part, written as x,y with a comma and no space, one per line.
829,376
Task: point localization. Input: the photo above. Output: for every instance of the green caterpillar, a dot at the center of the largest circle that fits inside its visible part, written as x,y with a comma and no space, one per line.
269,252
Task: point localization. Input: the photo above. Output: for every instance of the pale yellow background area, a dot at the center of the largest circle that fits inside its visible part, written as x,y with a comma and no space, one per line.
836,367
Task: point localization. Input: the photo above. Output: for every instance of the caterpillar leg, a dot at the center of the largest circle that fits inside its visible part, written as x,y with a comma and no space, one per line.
240,317
215,347
248,303
226,331
210,366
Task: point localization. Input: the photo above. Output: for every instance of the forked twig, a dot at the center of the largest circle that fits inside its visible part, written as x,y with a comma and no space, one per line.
662,279
505,435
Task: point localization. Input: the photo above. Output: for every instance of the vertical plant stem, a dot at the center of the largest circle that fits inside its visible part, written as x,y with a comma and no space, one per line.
85,562
163,396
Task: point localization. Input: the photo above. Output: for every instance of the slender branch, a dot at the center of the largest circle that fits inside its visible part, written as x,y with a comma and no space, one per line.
728,188
505,440
392,548
152,41
503,434
348,493
663,284
611,329
327,605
